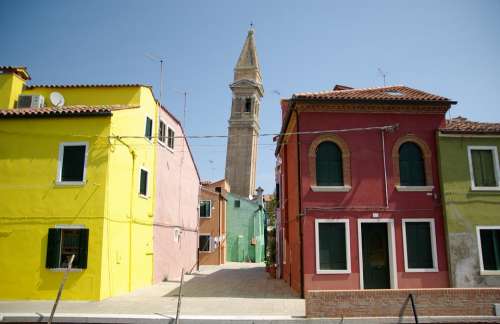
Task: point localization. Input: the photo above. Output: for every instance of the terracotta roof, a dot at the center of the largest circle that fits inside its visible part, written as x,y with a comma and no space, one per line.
124,85
65,111
22,71
463,125
398,93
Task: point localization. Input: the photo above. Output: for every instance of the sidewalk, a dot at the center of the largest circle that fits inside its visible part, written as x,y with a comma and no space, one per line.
231,289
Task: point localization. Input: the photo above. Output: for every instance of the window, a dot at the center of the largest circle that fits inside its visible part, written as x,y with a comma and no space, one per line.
332,246
483,164
489,248
419,241
171,138
205,243
237,203
205,208
72,162
248,105
149,128
162,132
329,165
143,183
64,242
411,165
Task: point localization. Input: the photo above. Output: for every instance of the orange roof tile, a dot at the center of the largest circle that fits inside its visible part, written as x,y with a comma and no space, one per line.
463,125
65,111
124,85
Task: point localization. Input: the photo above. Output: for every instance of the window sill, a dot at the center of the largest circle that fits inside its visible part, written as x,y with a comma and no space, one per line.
65,269
321,272
70,183
415,188
205,251
331,188
485,188
205,217
421,270
143,197
489,272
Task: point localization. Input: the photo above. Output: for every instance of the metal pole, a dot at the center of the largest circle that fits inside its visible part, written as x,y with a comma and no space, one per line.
61,287
179,299
413,308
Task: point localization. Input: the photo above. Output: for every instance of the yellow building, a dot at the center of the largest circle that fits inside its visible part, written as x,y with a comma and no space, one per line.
71,183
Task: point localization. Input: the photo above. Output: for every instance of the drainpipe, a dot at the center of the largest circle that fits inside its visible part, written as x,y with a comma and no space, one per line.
131,205
300,215
382,135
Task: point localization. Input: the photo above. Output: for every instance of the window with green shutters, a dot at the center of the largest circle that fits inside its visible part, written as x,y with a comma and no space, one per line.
64,242
162,132
332,246
484,167
171,138
411,165
489,239
148,133
205,208
420,245
204,244
72,160
329,165
143,183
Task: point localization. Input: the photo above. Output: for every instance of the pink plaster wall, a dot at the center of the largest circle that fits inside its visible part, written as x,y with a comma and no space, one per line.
177,189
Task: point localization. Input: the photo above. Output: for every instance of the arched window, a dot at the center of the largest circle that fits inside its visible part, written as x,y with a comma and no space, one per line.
329,165
411,165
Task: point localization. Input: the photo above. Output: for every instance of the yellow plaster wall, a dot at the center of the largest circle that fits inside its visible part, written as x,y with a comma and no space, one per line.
11,86
31,203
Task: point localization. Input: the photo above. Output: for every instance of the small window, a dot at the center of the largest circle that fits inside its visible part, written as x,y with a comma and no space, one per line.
332,246
329,165
483,162
143,183
489,248
171,138
205,208
72,160
419,245
411,165
149,128
62,243
162,135
237,204
248,105
204,243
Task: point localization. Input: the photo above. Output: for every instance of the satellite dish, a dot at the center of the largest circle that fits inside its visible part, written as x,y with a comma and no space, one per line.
57,99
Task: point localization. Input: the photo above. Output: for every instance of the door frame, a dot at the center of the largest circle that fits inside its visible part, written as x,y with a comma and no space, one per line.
391,246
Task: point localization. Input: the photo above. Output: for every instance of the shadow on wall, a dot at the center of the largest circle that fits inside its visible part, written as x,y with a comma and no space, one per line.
235,283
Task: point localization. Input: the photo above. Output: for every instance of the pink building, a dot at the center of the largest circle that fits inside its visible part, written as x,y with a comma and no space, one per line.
176,210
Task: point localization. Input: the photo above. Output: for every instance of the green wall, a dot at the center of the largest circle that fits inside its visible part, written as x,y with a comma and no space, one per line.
465,209
243,224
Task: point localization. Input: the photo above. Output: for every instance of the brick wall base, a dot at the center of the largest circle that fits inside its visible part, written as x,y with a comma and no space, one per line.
395,303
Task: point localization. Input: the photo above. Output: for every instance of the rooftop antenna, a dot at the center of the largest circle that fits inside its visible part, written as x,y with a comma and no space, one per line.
161,60
382,74
212,168
184,112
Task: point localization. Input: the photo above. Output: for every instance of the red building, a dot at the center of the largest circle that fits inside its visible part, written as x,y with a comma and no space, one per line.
360,203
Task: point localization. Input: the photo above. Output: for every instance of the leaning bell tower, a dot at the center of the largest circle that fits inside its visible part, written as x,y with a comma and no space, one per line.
243,130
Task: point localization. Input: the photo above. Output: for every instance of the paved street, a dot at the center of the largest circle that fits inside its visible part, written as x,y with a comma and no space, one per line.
232,289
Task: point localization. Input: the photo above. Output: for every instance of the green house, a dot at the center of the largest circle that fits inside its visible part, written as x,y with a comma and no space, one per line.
245,229
470,180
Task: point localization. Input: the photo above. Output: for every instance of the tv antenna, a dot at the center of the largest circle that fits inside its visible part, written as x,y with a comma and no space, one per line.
160,60
184,111
382,74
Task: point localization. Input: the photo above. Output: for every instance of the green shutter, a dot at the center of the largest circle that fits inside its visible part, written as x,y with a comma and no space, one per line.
329,165
149,128
73,163
411,165
53,258
332,246
483,168
490,249
418,245
81,261
143,186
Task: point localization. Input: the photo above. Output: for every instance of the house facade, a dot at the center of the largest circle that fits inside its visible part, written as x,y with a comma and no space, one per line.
80,177
212,219
359,191
245,229
470,180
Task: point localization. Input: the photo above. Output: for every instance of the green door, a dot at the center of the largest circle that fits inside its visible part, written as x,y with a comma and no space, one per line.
376,273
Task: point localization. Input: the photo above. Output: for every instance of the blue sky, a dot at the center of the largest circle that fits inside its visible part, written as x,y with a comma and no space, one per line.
450,48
